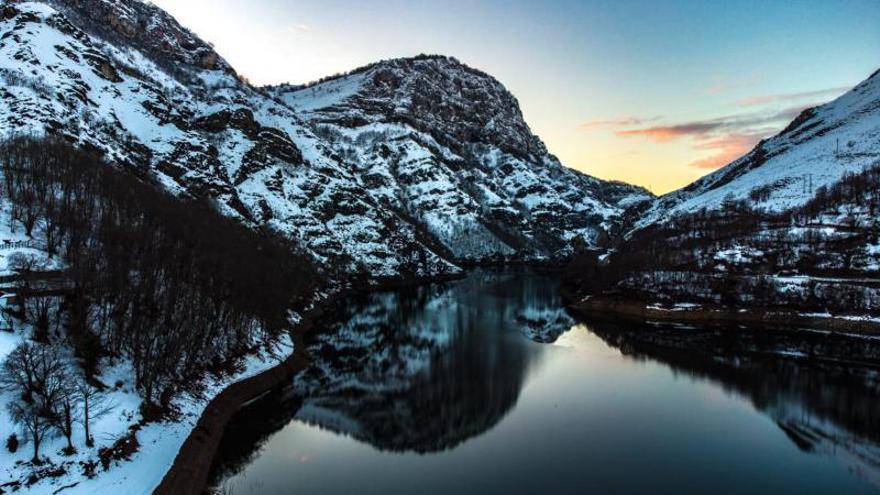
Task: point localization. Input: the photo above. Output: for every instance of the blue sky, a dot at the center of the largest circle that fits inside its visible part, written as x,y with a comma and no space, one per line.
654,93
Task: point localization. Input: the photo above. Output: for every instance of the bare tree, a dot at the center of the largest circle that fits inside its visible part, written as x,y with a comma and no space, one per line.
95,404
34,423
66,410
170,284
39,375
20,372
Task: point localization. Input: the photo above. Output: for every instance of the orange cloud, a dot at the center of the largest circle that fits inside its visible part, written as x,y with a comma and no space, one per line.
662,134
747,123
728,148
728,137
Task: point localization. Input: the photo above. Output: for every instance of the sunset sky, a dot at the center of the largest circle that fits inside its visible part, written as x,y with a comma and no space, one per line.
652,93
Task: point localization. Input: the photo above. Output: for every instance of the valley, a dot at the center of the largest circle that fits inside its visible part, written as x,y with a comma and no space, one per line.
175,242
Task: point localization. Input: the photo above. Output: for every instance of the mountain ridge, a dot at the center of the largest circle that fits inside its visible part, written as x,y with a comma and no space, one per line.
98,73
411,103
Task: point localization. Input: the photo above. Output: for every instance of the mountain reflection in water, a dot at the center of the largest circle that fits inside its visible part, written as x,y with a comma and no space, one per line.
424,375
823,404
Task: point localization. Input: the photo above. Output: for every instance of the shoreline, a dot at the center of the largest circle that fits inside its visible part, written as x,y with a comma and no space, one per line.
190,471
634,310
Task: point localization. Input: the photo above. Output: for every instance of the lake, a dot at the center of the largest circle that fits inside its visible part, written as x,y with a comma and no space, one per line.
487,385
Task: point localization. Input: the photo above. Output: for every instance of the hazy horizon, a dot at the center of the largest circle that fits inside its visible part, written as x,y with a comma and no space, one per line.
654,95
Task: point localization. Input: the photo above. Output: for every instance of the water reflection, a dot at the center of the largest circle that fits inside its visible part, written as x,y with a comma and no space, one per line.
456,388
821,389
426,369
422,369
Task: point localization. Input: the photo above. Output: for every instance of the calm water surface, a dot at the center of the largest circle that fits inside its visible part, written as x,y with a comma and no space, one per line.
488,386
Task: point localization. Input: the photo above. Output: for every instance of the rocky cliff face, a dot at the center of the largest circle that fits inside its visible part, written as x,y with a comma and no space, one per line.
146,28
196,130
405,168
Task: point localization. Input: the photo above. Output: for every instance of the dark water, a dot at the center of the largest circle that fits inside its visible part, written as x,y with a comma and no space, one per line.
488,386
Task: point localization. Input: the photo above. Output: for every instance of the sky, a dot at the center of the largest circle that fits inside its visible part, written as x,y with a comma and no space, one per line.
652,93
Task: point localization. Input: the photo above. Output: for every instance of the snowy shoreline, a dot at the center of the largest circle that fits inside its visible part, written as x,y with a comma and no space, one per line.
189,470
158,442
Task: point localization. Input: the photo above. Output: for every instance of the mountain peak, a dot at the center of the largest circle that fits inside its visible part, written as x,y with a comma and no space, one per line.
428,64
145,27
437,94
405,166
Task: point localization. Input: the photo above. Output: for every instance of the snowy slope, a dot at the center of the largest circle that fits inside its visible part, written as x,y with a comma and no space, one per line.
817,149
448,144
200,131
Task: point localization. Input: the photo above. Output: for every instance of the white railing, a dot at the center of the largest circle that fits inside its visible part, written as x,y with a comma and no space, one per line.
5,246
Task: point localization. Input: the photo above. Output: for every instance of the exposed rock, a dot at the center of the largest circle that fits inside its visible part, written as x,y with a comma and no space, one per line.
146,28
9,12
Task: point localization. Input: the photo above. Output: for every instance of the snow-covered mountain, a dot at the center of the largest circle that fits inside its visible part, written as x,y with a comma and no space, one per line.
817,149
448,145
792,225
405,168
123,77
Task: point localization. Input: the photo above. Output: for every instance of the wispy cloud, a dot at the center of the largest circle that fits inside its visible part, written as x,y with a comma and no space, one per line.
736,123
300,28
666,133
729,137
727,84
784,97
616,123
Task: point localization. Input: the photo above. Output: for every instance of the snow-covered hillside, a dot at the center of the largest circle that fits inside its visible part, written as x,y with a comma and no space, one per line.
817,149
792,226
196,129
408,194
448,145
